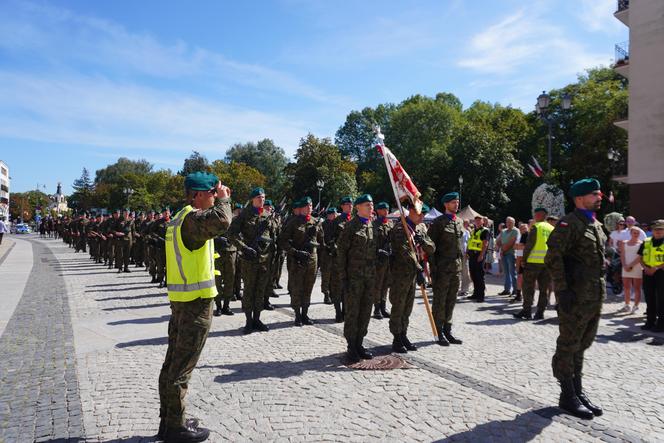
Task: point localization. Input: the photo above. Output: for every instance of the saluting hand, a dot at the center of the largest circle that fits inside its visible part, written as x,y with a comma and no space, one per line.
223,191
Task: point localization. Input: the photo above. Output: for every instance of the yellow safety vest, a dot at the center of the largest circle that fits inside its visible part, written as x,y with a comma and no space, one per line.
653,255
538,252
475,243
189,274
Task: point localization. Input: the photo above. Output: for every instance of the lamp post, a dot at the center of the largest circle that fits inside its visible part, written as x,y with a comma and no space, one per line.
460,186
542,109
320,184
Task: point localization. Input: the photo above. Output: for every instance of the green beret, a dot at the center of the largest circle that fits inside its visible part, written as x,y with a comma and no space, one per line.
299,203
331,211
347,199
449,197
268,202
306,201
200,181
383,205
238,206
584,187
256,192
425,208
364,198
541,209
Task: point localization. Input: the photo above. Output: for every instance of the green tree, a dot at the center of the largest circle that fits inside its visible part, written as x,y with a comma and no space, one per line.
265,157
118,178
83,195
195,162
320,159
240,178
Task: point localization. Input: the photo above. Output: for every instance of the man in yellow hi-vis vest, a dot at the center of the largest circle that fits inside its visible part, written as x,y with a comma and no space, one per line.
652,260
534,270
191,291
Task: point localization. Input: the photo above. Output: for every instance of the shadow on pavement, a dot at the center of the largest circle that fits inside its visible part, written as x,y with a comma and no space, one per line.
132,288
141,321
277,369
121,308
524,427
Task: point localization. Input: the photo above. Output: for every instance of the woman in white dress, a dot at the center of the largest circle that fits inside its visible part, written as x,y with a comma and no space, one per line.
632,271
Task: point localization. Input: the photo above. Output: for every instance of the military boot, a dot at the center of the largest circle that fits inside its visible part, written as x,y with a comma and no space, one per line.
186,434
578,388
539,315
226,310
351,352
327,300
267,305
447,332
258,324
154,279
298,317
398,345
377,314
407,343
442,340
249,325
305,316
362,351
570,402
338,314
126,269
383,310
217,312
523,314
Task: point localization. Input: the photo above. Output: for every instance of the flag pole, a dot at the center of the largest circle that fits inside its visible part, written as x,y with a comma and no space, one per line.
406,229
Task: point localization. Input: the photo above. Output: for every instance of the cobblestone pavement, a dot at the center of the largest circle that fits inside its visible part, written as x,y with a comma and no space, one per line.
289,384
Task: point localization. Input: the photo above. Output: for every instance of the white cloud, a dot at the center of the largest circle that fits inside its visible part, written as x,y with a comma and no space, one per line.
597,15
99,112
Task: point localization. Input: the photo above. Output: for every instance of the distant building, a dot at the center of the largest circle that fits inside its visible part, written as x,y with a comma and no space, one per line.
58,202
641,60
4,191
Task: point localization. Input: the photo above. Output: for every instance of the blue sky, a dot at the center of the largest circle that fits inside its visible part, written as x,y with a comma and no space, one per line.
83,83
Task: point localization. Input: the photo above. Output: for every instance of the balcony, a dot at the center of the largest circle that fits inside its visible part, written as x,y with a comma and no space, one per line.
622,13
621,65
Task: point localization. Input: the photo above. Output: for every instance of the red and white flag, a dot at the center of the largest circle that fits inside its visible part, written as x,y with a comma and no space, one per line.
536,168
404,186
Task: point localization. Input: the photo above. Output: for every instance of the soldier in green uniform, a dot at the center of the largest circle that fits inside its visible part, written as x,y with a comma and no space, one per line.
190,291
356,264
252,233
338,290
405,271
268,209
447,234
139,241
534,271
277,255
159,228
382,228
225,281
124,233
237,286
110,235
576,261
325,254
81,227
301,238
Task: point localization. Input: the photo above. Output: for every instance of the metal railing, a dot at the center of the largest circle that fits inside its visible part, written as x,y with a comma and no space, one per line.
622,5
622,53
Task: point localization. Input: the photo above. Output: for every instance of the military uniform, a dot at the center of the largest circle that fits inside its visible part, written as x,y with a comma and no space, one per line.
404,268
252,233
337,293
191,319
356,270
576,261
225,281
124,232
382,228
300,239
158,233
326,259
447,234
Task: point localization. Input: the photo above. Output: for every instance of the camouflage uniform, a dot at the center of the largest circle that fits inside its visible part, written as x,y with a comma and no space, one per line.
253,229
123,243
404,267
158,232
190,321
338,294
447,234
301,237
225,264
382,228
326,258
575,259
356,271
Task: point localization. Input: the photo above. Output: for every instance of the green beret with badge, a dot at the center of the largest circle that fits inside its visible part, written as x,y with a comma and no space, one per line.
449,197
331,211
383,205
200,181
256,192
364,198
584,187
268,202
346,199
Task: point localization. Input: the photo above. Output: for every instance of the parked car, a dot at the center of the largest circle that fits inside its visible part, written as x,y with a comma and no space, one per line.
22,228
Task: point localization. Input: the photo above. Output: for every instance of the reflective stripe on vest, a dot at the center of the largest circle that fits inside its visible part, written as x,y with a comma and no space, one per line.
538,252
475,243
189,274
653,255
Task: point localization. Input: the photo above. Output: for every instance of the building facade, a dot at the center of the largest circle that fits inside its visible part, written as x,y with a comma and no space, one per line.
58,202
641,61
4,191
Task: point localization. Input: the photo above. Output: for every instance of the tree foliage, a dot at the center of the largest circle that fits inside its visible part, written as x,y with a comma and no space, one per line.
265,157
239,177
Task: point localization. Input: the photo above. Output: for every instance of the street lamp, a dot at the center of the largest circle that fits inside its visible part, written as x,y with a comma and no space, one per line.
320,184
542,110
460,186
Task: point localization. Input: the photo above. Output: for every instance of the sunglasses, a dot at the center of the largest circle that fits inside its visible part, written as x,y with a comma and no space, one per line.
213,191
